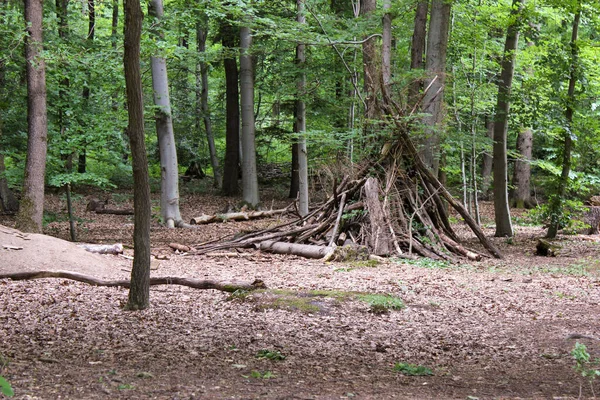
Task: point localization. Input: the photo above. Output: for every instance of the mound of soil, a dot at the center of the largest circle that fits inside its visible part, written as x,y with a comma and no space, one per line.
21,252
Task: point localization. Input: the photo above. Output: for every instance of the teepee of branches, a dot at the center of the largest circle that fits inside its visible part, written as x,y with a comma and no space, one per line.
394,206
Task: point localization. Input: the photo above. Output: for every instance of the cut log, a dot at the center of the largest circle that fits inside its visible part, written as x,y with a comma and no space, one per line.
303,250
180,247
546,248
379,235
167,280
116,248
236,216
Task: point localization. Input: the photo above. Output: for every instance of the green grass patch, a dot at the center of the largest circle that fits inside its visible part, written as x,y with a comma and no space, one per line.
425,263
260,375
381,303
273,355
412,369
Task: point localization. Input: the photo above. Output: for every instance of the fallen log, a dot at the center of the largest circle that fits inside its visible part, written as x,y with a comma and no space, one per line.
236,216
115,211
167,280
116,248
181,247
303,250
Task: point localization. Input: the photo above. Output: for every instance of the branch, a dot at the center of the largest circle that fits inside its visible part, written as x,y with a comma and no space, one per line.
167,280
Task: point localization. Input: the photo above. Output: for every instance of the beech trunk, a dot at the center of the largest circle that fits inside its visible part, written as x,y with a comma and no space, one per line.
169,171
31,210
521,197
139,291
300,122
501,206
249,174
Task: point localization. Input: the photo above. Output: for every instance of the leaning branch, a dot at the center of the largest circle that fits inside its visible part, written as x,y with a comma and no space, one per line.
167,280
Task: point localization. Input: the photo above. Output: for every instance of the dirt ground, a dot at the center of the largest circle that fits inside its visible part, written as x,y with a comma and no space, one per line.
496,329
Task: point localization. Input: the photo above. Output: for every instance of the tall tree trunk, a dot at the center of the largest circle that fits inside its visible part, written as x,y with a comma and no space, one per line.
367,9
501,206
300,120
169,173
521,195
201,32
139,292
8,201
232,127
435,64
486,168
563,182
31,210
249,174
82,159
417,49
386,45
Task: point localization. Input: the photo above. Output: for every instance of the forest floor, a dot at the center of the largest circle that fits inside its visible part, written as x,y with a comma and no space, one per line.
495,329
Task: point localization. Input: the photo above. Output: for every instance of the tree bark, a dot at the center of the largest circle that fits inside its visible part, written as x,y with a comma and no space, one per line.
486,168
522,173
139,291
563,182
201,33
249,174
501,206
386,45
232,135
435,64
31,210
82,158
300,120
169,171
417,49
367,8
8,201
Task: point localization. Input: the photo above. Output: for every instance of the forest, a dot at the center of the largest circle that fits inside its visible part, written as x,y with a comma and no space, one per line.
313,198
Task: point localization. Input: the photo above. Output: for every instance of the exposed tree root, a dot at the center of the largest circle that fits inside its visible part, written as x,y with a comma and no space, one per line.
167,280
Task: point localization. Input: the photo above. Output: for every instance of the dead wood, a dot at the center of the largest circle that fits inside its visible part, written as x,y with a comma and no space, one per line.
115,211
236,216
167,280
303,250
180,247
116,248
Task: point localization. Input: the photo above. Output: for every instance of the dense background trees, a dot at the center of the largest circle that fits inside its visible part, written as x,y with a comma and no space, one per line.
344,63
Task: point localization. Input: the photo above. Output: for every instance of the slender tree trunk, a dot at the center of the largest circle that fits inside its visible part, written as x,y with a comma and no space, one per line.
232,135
435,64
8,201
386,46
31,210
417,49
501,206
367,8
300,122
201,32
486,168
249,174
139,292
82,158
563,182
169,172
522,174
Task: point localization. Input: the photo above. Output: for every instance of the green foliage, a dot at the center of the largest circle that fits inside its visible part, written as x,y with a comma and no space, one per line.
260,375
412,369
273,355
381,303
425,263
569,215
584,363
5,387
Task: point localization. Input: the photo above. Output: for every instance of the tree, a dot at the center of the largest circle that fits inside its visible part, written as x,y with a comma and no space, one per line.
232,138
31,210
386,46
367,9
169,172
563,181
500,169
521,195
300,120
435,65
249,174
139,292
202,97
417,48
